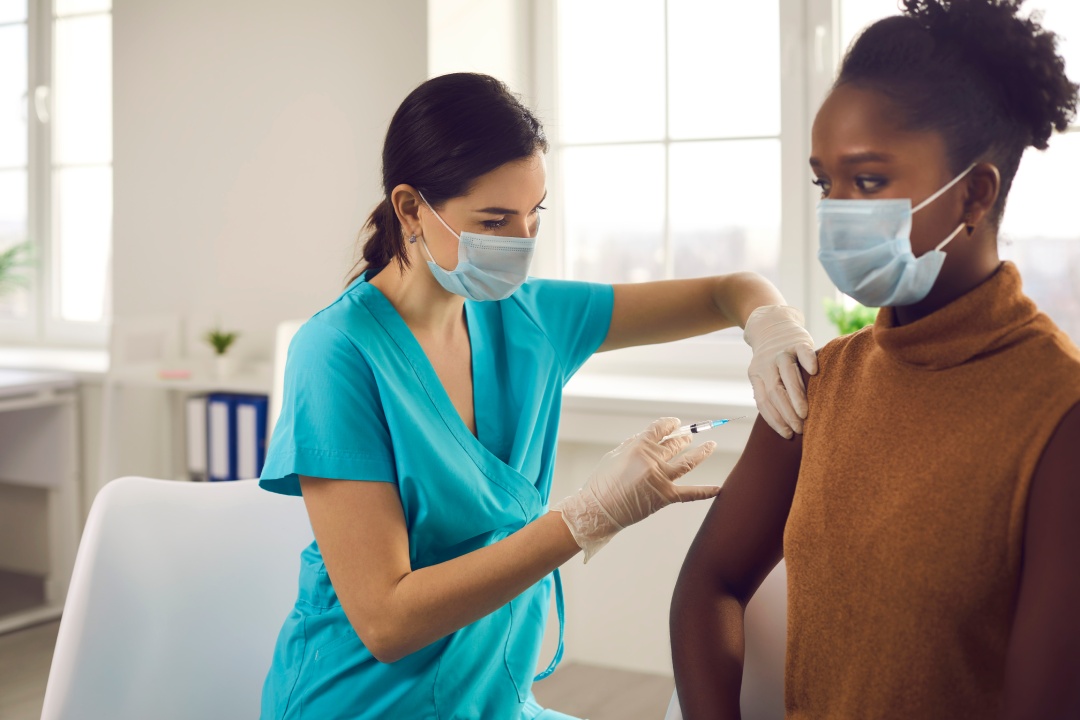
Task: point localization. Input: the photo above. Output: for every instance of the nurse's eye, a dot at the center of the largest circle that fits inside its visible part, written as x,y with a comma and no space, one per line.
538,208
495,224
870,183
823,184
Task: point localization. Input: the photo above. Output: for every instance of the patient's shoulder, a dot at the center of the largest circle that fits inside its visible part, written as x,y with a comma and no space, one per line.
847,350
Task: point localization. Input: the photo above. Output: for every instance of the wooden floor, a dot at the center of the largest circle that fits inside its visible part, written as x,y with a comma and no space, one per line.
585,691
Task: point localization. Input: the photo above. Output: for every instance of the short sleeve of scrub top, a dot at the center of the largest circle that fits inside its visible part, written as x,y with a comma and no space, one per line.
575,317
331,423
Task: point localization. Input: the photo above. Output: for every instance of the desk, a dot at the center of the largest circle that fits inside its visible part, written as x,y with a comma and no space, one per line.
39,449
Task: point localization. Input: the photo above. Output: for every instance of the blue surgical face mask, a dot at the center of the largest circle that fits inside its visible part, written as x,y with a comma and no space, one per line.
489,267
865,247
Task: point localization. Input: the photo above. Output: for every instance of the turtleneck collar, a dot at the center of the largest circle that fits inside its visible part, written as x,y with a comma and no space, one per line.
971,325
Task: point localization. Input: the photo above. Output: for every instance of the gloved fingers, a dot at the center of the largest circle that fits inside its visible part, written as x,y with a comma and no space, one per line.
807,357
793,382
688,461
659,428
766,409
690,493
673,446
780,400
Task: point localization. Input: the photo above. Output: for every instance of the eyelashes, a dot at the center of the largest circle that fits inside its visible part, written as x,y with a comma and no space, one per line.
866,184
497,224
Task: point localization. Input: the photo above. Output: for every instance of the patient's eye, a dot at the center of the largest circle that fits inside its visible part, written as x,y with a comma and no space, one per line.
870,183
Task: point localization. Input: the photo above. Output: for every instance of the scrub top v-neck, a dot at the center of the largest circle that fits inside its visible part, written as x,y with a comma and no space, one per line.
362,402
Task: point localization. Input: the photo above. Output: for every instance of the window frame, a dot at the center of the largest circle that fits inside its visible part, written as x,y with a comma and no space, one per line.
43,326
809,52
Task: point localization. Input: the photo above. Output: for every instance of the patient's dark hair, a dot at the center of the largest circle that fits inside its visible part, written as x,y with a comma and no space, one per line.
988,79
447,133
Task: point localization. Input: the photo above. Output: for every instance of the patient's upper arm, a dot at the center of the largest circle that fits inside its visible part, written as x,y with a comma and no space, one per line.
742,537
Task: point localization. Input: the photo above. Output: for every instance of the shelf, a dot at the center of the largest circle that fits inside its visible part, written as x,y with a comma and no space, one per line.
258,382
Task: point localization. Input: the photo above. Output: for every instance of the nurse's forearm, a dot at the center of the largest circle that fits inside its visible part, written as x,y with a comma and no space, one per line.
430,603
739,294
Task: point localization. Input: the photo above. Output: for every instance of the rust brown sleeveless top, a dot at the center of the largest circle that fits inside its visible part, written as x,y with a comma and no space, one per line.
904,540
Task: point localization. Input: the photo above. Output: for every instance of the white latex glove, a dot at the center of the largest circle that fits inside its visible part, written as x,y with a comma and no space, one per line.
780,344
632,482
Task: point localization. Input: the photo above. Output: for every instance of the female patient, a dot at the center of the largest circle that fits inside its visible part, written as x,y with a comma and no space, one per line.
932,537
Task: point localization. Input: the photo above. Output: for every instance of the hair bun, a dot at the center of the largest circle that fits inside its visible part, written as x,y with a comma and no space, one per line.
1013,51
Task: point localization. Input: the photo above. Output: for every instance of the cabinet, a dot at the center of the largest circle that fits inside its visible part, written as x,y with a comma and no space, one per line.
39,454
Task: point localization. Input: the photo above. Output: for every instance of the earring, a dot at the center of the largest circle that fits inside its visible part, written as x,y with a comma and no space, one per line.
412,238
970,229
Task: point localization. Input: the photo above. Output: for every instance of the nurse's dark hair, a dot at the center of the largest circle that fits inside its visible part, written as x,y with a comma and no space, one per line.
445,135
985,76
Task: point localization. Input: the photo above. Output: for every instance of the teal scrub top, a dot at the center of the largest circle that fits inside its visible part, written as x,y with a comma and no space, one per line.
362,402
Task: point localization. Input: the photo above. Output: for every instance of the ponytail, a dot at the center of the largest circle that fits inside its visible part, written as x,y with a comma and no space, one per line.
384,243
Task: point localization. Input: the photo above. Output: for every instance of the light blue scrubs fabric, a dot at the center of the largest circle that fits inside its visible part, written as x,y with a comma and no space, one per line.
362,402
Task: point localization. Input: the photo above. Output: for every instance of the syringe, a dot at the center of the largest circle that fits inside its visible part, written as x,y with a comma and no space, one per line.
700,427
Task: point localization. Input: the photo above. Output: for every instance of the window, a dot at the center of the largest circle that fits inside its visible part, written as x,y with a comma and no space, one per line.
662,176
1040,231
56,166
680,133
679,146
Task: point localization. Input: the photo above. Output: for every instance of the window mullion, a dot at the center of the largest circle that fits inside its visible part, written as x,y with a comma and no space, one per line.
40,160
818,45
669,250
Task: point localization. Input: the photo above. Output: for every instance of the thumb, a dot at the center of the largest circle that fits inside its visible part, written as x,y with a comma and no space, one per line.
807,358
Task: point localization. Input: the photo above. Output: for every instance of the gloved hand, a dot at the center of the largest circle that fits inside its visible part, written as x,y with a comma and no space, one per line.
777,337
632,482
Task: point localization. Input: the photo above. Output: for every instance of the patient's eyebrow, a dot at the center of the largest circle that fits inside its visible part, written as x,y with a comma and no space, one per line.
858,159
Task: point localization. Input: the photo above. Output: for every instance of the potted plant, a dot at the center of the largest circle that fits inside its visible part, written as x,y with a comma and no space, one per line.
13,262
849,319
221,340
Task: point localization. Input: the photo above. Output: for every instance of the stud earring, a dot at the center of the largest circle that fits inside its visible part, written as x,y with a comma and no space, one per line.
970,229
412,238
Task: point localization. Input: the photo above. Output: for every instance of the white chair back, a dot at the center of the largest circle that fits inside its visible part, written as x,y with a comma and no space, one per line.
178,594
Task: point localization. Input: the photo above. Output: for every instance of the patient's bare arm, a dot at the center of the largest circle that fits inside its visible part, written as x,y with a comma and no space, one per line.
739,543
1043,663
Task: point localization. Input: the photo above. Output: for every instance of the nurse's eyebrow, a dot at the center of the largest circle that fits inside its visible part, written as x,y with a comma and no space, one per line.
506,211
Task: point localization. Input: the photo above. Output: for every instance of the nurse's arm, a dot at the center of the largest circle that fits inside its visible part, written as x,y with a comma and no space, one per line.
1043,661
738,544
668,310
395,610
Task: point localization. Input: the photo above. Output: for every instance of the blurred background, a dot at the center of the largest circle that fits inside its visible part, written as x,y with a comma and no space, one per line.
171,167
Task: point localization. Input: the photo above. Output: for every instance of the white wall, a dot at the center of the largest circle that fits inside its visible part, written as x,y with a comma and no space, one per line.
247,143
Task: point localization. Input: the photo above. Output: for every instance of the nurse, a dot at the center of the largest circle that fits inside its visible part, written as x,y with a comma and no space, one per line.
420,418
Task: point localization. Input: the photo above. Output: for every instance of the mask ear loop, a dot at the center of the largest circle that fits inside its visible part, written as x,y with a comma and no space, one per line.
942,191
947,240
423,242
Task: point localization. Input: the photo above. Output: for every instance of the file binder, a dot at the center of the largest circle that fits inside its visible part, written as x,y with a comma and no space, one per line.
195,440
221,436
251,412
236,432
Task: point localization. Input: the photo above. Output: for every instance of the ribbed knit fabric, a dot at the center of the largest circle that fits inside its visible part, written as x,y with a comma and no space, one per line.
904,540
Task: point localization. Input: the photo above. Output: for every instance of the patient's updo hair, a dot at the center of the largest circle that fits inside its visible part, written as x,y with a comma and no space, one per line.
988,79
446,134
